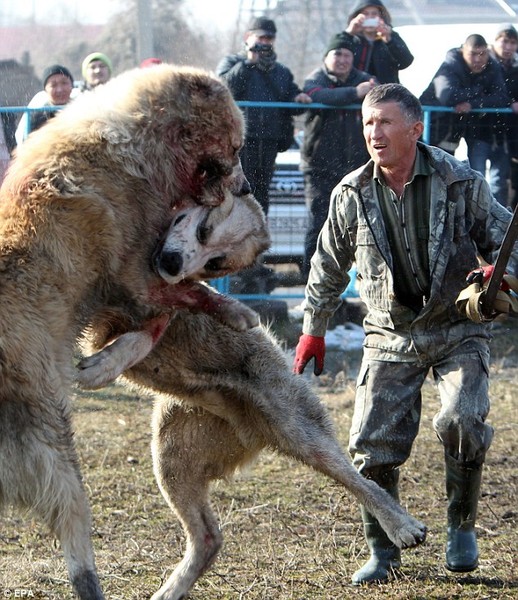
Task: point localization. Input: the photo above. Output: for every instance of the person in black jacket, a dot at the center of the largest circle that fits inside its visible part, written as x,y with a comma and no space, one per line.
381,52
255,75
504,158
470,78
333,139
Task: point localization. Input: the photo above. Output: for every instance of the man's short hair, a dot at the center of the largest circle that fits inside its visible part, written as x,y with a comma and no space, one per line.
475,40
395,92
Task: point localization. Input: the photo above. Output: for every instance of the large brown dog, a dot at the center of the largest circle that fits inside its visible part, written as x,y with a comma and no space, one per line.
81,211
222,397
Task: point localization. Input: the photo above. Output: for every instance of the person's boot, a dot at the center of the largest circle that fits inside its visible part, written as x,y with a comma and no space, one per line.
462,488
385,556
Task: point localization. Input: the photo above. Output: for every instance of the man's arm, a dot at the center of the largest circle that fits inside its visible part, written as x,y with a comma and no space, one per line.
399,51
318,88
234,70
330,264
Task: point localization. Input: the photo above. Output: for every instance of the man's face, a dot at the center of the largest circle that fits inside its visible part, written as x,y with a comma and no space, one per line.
97,72
476,57
371,12
339,62
505,47
259,37
58,88
390,137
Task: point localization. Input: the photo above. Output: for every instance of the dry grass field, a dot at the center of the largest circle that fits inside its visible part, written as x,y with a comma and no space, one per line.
289,532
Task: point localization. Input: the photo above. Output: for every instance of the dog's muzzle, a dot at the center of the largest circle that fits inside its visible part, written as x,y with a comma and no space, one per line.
168,262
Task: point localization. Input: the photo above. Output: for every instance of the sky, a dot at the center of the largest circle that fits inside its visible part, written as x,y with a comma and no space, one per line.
219,12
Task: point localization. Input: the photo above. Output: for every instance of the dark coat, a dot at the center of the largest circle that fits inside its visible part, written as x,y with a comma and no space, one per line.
453,84
383,61
333,138
511,83
247,82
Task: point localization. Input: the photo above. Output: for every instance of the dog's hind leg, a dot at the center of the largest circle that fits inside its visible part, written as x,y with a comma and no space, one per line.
73,528
39,471
192,447
305,432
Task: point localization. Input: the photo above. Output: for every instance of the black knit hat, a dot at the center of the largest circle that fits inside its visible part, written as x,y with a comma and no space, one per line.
263,24
341,40
56,70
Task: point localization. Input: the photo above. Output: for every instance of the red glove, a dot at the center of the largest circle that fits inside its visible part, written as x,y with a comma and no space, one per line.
309,346
482,275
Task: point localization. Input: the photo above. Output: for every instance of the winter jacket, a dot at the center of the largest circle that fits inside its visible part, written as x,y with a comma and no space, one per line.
247,82
464,220
511,82
333,138
453,84
383,61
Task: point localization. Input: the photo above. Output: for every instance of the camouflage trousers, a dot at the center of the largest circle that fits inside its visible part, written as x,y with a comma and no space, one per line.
388,404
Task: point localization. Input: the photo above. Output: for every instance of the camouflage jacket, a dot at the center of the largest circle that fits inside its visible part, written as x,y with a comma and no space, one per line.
464,221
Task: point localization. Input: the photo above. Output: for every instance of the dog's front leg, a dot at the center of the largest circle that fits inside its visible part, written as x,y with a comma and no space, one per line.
199,297
105,366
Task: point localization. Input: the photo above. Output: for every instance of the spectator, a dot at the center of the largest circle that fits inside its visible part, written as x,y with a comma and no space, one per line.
506,156
58,84
415,220
255,75
4,153
96,69
333,142
381,52
469,78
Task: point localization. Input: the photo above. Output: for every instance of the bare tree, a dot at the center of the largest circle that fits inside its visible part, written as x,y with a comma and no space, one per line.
175,39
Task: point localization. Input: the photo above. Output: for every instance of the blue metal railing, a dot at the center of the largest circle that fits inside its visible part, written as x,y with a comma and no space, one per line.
223,284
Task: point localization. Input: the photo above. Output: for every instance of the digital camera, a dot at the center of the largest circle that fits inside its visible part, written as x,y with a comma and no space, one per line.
264,49
371,22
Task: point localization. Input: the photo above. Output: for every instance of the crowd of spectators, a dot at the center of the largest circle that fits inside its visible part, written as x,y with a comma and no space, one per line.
475,75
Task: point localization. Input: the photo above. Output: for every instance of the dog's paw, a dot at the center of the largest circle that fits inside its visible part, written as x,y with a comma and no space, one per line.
237,316
96,371
105,366
411,534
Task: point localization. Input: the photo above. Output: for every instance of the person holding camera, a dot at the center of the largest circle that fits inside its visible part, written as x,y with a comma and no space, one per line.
381,51
256,75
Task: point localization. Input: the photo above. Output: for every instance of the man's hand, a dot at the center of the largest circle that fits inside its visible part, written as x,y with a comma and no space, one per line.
482,275
303,98
309,346
462,108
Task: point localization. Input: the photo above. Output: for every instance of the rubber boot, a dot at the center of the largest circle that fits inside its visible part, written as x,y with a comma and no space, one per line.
463,489
385,556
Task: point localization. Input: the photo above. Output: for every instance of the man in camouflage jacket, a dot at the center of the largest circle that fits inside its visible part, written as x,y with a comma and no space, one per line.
413,238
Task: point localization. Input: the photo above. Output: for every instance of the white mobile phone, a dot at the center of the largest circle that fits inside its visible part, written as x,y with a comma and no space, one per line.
371,22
